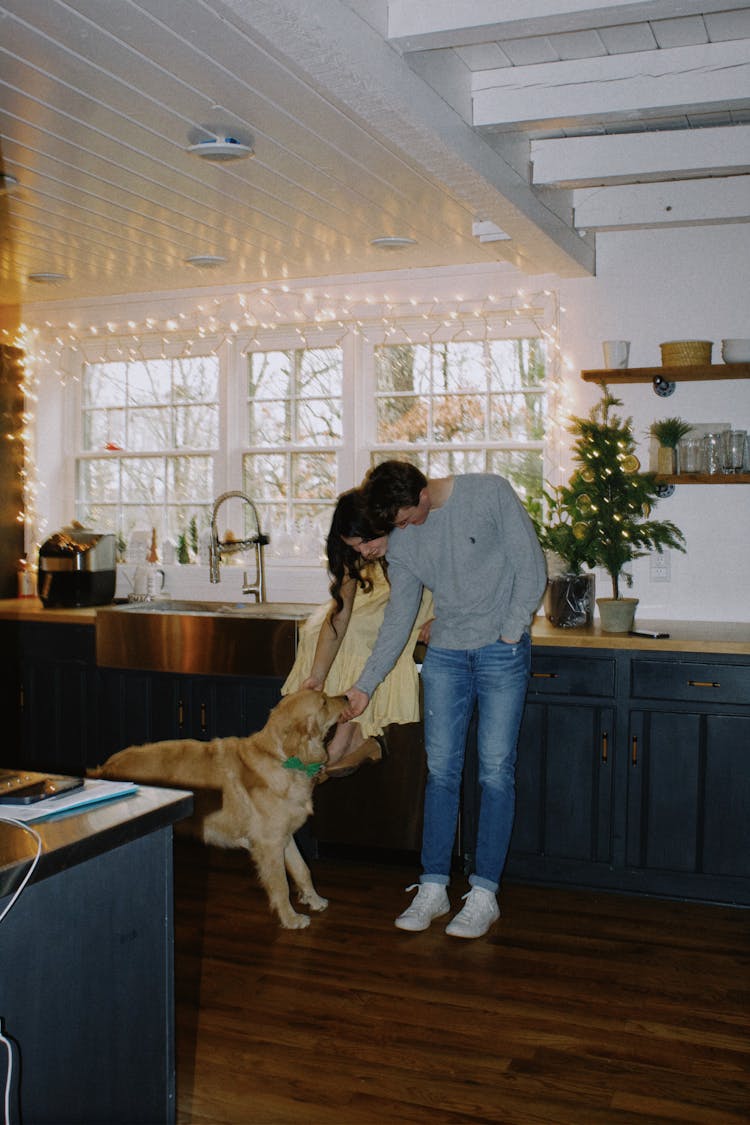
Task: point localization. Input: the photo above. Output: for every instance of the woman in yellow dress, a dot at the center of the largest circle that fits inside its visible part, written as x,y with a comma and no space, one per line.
337,638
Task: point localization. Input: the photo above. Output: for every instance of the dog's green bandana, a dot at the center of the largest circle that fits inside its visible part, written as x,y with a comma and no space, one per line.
296,764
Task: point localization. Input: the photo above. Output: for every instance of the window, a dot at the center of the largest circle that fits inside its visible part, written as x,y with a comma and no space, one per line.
293,425
464,407
294,435
150,430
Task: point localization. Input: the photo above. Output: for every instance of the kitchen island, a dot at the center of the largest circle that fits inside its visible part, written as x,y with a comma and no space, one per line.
86,990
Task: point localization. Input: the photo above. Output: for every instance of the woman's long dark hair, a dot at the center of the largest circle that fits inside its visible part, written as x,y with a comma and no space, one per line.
350,519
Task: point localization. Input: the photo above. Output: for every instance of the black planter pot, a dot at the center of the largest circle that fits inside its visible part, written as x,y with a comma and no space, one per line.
569,600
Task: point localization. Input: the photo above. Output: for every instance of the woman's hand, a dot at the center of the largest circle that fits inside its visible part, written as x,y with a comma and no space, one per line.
314,682
424,633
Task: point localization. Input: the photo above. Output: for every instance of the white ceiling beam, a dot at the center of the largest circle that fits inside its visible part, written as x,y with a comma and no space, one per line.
349,62
688,203
573,162
641,84
419,25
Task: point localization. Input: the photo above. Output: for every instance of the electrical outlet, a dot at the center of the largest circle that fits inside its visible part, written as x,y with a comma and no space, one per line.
660,568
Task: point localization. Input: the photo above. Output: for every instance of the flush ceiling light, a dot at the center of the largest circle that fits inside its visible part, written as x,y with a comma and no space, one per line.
44,278
218,142
392,242
206,261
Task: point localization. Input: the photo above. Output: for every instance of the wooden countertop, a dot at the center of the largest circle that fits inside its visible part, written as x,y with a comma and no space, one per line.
684,636
31,609
76,836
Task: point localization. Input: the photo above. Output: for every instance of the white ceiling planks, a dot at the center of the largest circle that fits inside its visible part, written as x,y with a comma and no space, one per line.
437,120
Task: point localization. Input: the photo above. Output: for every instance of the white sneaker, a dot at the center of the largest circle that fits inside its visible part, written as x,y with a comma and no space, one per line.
476,917
430,901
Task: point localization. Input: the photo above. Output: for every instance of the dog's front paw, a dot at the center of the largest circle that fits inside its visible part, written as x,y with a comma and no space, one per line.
314,901
294,921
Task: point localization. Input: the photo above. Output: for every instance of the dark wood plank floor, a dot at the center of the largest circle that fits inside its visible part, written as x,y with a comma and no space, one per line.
577,1008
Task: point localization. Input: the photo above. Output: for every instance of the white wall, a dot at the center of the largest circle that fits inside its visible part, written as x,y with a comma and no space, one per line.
650,286
653,286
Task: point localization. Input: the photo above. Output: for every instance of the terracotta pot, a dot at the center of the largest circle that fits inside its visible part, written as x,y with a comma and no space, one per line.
569,600
616,615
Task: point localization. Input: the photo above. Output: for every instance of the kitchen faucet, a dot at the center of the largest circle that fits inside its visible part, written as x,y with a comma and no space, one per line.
217,548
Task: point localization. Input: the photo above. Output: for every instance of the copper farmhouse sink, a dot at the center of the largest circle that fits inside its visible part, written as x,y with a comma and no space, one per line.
200,638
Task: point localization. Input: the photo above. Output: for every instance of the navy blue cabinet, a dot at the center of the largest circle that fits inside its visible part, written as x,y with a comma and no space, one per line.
687,760
634,774
140,707
52,712
633,766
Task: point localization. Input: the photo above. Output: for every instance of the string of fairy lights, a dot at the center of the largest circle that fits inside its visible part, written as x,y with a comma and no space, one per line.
59,350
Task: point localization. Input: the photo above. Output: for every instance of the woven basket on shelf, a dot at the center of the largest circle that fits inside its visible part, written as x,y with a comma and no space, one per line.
685,353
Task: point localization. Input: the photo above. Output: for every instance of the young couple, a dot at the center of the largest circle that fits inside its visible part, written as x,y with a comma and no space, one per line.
469,541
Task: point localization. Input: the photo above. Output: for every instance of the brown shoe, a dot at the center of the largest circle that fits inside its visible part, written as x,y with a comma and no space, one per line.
371,750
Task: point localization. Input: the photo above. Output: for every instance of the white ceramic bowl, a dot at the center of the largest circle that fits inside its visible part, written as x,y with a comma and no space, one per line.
735,351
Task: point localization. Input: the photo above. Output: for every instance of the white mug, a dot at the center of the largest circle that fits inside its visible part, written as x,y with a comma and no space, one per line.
616,353
139,584
155,580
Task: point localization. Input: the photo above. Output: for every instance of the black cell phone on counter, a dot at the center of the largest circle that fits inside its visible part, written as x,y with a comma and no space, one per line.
45,789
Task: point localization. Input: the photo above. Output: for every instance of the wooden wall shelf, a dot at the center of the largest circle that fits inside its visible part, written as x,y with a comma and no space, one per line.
704,478
703,372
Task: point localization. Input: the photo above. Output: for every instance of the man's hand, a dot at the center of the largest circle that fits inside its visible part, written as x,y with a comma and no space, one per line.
358,700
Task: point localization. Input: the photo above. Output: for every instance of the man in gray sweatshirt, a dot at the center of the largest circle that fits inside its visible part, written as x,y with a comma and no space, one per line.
469,540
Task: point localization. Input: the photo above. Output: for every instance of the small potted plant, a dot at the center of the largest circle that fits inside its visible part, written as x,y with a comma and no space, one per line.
609,501
669,432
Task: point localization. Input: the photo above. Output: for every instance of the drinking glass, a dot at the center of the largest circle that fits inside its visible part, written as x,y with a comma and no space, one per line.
712,454
691,455
733,450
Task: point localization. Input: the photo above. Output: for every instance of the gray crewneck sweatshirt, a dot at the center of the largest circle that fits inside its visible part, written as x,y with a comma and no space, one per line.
479,555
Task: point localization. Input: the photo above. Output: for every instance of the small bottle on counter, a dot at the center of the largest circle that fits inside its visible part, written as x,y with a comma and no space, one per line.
26,579
153,554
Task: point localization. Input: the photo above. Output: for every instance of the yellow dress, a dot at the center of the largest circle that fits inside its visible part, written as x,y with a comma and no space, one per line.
396,699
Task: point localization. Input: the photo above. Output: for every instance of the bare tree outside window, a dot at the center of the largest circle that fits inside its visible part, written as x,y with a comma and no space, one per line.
459,407
149,434
294,437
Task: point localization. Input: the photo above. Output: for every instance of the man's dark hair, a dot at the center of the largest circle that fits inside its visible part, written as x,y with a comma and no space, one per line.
390,486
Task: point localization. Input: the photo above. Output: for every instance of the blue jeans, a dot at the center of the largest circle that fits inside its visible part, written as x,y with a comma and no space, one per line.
494,677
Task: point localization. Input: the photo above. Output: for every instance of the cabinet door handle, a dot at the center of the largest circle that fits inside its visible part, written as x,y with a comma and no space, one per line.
605,746
203,718
703,683
544,675
634,750
180,713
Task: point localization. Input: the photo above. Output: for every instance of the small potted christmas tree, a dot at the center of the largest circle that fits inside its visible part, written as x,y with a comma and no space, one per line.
607,503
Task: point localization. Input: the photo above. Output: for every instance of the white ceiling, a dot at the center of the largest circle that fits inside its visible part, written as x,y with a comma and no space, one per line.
484,131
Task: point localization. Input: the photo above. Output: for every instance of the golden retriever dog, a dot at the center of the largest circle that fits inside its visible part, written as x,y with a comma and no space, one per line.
251,792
